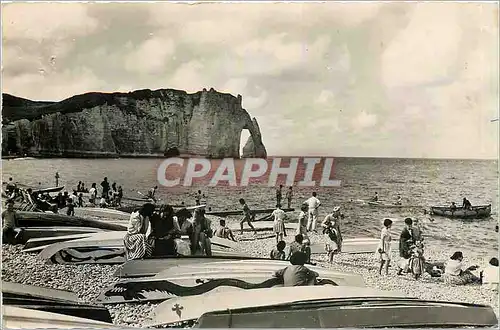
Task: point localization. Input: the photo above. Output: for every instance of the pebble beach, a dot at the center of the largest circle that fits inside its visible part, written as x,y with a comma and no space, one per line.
87,281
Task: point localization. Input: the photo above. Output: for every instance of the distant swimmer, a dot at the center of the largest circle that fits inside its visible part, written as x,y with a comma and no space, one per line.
399,200
466,205
375,198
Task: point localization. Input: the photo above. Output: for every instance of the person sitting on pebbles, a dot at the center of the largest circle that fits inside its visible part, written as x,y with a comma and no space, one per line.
224,232
455,272
138,242
300,244
489,275
278,253
10,231
297,274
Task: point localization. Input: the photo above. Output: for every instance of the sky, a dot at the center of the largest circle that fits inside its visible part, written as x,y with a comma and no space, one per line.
368,79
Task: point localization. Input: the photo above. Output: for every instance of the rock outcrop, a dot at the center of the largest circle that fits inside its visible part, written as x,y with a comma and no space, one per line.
164,122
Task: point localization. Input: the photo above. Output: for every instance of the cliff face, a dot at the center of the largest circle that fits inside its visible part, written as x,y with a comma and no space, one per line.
163,123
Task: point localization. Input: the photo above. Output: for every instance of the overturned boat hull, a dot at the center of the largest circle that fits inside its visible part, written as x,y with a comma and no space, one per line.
107,248
196,279
51,300
318,307
38,219
476,212
153,266
29,233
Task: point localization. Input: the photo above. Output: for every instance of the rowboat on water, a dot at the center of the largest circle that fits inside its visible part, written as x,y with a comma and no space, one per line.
200,278
26,318
51,300
317,307
107,248
355,246
476,212
153,266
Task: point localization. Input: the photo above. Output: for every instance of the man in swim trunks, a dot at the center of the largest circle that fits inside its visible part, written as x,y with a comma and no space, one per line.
247,216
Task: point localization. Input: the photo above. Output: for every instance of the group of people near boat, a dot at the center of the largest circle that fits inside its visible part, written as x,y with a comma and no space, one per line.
159,231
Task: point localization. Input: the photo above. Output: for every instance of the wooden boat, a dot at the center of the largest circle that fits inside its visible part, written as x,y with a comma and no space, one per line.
38,244
41,232
476,212
51,300
47,190
355,246
152,266
38,219
107,248
198,279
259,226
317,307
101,212
239,212
25,318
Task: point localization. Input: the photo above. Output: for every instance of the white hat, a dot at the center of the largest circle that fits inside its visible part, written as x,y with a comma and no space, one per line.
336,208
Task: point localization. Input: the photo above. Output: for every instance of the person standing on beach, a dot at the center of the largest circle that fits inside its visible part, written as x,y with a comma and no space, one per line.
313,204
279,223
105,188
93,193
279,194
202,229
332,234
57,179
384,249
247,216
302,223
406,241
289,195
151,193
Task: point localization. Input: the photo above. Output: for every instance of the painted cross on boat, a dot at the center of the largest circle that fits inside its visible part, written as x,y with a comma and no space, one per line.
177,309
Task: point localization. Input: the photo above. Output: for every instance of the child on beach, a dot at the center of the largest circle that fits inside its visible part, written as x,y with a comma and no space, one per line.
417,260
279,223
300,244
297,274
302,225
247,216
384,247
332,235
279,252
71,207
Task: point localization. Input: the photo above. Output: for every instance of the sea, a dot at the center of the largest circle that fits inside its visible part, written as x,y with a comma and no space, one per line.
420,182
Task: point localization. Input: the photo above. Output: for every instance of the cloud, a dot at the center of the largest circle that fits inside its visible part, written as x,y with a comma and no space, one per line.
189,77
364,120
151,55
40,21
